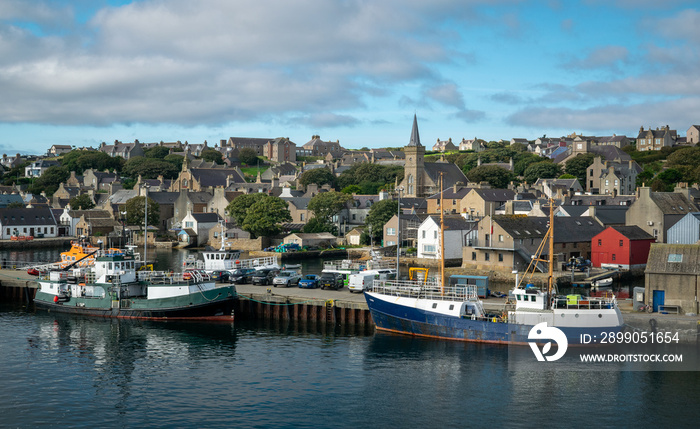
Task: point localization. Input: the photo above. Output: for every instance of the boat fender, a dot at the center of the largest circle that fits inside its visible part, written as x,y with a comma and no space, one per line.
55,298
473,316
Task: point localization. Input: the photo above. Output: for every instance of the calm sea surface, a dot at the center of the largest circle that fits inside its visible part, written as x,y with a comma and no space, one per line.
66,371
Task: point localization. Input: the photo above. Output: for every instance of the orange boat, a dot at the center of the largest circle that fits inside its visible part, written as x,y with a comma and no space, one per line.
84,253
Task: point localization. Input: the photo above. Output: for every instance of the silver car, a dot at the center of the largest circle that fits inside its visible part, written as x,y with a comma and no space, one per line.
287,278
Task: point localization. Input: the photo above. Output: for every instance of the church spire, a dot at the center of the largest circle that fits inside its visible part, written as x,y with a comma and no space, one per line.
415,138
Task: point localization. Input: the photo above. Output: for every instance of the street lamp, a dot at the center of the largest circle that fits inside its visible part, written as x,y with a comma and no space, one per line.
398,231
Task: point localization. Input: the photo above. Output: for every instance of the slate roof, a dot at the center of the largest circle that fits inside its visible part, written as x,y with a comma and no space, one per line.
7,199
672,203
27,217
206,217
451,173
454,222
610,214
215,177
415,137
566,229
89,214
300,203
199,197
495,194
633,232
164,197
574,211
659,255
122,196
450,194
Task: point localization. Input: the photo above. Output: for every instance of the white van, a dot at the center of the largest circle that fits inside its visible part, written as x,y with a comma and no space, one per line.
363,281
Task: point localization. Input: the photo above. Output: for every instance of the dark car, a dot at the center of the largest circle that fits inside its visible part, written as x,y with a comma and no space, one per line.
219,276
264,276
241,276
331,281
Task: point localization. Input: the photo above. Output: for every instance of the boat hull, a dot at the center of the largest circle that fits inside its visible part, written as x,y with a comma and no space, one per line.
392,317
215,304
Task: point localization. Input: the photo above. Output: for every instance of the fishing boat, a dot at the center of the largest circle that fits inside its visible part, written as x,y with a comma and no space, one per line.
112,287
431,309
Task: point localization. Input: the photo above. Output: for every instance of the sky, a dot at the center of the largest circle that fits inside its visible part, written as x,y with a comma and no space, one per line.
83,72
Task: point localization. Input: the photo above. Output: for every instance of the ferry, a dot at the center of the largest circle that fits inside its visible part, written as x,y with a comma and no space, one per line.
112,287
429,309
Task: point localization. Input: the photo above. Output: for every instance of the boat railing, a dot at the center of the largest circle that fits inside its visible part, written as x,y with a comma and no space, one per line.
256,262
426,290
169,277
358,265
576,302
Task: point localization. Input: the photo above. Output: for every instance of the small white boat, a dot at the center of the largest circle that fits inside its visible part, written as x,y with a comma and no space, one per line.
602,282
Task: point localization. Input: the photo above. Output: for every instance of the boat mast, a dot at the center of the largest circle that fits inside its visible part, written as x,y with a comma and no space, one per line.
442,240
551,250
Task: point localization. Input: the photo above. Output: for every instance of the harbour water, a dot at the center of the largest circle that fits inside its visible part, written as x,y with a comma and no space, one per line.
66,371
62,371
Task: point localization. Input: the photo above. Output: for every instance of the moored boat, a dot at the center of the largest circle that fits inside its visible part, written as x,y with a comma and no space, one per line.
113,287
432,310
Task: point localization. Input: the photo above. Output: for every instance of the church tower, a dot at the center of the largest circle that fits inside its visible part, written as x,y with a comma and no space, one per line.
414,169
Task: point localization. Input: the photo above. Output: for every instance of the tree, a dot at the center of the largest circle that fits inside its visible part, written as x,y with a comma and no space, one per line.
498,177
158,152
248,156
259,214
523,161
50,180
370,177
325,205
212,155
81,202
175,160
351,189
81,160
314,225
578,166
379,214
150,168
135,209
319,176
541,170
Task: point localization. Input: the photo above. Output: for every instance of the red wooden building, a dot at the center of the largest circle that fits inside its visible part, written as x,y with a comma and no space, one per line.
624,247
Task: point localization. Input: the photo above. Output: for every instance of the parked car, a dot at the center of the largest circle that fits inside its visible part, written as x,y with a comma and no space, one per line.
264,276
241,276
287,278
331,281
219,276
309,281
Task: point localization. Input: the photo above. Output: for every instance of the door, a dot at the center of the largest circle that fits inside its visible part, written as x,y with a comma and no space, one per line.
31,232
658,298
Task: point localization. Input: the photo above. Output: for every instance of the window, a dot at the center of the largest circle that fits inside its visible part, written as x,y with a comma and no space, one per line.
500,238
8,231
428,248
675,257
613,256
189,224
486,257
423,233
434,234
473,256
301,216
622,243
392,231
500,257
600,242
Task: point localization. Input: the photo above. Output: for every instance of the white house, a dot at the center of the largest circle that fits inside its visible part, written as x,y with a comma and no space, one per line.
458,233
37,168
27,222
201,223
